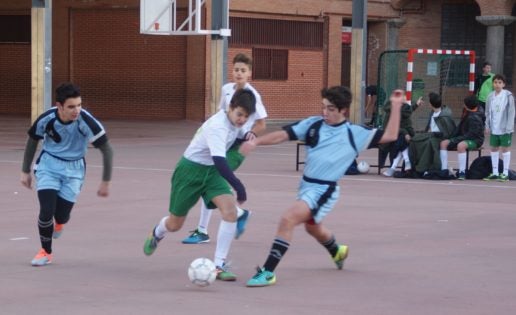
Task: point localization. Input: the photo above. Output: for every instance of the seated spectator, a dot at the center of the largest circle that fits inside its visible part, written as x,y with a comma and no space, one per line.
399,148
468,135
424,147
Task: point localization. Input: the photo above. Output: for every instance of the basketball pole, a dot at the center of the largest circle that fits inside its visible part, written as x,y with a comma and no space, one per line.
219,50
41,55
358,54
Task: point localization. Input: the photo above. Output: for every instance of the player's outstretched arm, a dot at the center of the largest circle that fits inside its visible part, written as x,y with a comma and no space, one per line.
107,162
225,171
275,137
393,125
28,156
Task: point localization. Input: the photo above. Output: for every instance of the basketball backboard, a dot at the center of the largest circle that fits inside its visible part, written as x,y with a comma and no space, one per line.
175,17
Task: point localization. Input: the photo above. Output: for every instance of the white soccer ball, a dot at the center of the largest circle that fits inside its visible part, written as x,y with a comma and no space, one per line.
202,272
363,167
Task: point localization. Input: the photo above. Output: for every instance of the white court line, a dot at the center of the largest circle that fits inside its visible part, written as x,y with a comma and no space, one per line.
347,178
18,238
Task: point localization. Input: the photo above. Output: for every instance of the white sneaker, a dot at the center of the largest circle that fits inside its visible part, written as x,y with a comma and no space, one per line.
389,172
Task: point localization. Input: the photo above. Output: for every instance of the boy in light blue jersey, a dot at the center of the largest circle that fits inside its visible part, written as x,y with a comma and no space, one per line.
66,130
332,145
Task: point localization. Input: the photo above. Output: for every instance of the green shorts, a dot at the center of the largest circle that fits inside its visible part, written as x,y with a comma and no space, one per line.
234,158
504,140
191,181
472,145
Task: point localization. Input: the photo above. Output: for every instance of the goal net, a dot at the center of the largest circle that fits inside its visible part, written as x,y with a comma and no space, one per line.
450,73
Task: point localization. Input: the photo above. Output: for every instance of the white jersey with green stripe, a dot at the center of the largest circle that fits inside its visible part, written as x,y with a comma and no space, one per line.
213,138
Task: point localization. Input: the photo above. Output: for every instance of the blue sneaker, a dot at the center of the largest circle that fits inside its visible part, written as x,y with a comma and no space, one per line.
241,223
151,243
262,278
462,176
340,256
196,237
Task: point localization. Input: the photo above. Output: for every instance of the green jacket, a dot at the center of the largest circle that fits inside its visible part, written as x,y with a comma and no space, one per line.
424,147
485,88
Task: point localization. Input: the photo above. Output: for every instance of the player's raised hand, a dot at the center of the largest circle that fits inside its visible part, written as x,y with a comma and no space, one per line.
397,98
26,180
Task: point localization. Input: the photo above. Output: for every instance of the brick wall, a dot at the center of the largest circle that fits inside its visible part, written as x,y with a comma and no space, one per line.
423,28
124,74
297,97
15,79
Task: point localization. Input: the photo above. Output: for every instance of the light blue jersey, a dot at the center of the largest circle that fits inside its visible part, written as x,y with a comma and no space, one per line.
334,153
325,163
67,141
61,164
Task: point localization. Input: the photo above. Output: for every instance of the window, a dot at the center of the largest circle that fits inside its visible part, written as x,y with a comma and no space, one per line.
15,29
460,30
278,33
270,64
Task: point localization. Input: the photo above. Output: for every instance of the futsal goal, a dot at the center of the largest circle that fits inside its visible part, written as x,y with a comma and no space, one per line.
450,73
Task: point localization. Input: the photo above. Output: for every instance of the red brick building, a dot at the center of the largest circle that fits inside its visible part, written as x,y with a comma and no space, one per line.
127,75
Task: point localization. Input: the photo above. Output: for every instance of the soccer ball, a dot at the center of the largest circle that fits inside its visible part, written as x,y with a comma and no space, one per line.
363,167
202,272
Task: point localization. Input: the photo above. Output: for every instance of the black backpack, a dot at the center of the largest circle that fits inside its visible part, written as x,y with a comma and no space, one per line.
481,167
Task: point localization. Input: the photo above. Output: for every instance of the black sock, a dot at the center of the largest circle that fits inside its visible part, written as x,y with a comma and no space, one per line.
331,245
278,250
45,234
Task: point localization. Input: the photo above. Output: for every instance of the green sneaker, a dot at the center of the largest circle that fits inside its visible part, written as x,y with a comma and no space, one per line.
224,274
340,256
491,177
151,243
262,278
503,178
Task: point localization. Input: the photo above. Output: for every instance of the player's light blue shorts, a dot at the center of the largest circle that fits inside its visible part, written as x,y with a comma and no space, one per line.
319,195
66,177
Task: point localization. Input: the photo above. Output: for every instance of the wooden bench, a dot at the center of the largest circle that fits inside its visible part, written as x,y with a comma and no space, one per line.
478,150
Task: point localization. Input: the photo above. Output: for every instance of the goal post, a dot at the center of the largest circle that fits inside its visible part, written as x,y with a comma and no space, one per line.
449,73
410,65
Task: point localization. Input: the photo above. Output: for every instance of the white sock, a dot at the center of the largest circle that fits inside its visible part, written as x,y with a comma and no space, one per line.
224,238
506,162
161,228
406,159
240,211
444,159
494,161
462,161
396,161
204,219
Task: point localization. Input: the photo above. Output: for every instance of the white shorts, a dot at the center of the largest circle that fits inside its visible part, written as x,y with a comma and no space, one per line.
321,198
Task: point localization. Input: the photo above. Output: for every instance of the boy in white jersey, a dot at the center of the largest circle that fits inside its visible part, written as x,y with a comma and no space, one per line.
499,127
332,145
66,130
204,171
242,65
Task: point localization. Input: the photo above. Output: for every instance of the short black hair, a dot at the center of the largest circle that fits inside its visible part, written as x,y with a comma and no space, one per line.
66,91
471,102
244,98
435,100
500,77
486,63
340,96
